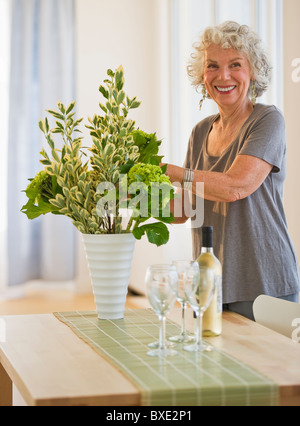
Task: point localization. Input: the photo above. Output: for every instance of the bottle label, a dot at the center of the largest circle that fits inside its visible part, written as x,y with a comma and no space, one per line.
219,294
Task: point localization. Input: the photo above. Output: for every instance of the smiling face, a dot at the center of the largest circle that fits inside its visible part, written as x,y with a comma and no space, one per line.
227,76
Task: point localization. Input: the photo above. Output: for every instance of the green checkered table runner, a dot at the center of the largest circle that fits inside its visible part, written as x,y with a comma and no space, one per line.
187,379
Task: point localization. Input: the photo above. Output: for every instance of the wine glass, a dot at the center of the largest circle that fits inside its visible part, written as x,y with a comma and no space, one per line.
182,266
162,283
199,286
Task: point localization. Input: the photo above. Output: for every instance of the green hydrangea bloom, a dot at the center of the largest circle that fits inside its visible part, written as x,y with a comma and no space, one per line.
41,189
41,185
147,173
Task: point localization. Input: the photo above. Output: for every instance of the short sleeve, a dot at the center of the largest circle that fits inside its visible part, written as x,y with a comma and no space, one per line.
266,138
188,158
196,141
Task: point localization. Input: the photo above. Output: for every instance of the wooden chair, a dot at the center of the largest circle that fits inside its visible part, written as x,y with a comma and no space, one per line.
278,315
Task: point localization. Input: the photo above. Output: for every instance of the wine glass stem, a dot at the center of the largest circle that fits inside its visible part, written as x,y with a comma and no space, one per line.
199,329
183,329
162,332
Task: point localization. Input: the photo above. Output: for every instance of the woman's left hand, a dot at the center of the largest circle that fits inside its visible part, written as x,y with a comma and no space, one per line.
175,173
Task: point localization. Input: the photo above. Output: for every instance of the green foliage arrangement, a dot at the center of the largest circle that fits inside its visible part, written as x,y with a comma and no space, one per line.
120,172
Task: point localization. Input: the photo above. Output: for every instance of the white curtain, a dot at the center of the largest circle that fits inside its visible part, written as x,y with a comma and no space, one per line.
172,104
41,73
188,19
4,84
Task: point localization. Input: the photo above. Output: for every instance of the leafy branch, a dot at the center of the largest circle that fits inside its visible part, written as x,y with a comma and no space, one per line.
86,187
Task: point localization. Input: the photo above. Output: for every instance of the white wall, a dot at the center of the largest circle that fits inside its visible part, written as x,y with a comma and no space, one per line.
132,33
135,33
110,33
291,14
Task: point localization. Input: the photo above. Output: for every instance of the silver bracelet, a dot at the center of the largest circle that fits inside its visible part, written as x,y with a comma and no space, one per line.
188,179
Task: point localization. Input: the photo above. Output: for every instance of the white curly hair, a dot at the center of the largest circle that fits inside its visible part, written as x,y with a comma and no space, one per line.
240,37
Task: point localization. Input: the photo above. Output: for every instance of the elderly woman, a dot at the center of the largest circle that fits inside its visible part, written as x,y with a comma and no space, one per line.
240,156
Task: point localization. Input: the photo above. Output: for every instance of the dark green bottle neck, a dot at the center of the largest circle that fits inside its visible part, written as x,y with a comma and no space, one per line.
207,237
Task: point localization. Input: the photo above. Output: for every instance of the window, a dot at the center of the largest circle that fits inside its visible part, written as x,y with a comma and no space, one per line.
188,20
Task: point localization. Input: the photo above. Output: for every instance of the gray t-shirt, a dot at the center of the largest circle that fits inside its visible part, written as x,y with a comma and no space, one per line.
251,238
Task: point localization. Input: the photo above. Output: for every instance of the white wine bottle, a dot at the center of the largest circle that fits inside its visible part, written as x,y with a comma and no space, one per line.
212,319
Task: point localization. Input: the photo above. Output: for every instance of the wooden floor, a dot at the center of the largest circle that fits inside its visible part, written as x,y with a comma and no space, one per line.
42,298
39,299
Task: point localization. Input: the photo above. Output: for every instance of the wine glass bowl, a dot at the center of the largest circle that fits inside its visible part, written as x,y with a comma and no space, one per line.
199,285
162,287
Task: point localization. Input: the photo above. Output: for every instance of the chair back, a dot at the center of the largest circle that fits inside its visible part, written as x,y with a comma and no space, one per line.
278,315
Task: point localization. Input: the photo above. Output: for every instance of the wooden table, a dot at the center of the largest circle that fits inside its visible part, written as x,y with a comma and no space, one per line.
50,365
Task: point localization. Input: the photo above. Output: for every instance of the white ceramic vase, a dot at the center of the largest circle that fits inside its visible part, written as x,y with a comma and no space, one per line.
109,258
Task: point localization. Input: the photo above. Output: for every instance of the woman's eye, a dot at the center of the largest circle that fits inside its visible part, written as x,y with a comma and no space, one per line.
236,65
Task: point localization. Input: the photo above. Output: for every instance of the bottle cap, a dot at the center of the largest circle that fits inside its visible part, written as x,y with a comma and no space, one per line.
207,236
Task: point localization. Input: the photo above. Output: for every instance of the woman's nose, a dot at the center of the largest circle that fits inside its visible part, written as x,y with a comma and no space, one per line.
224,73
